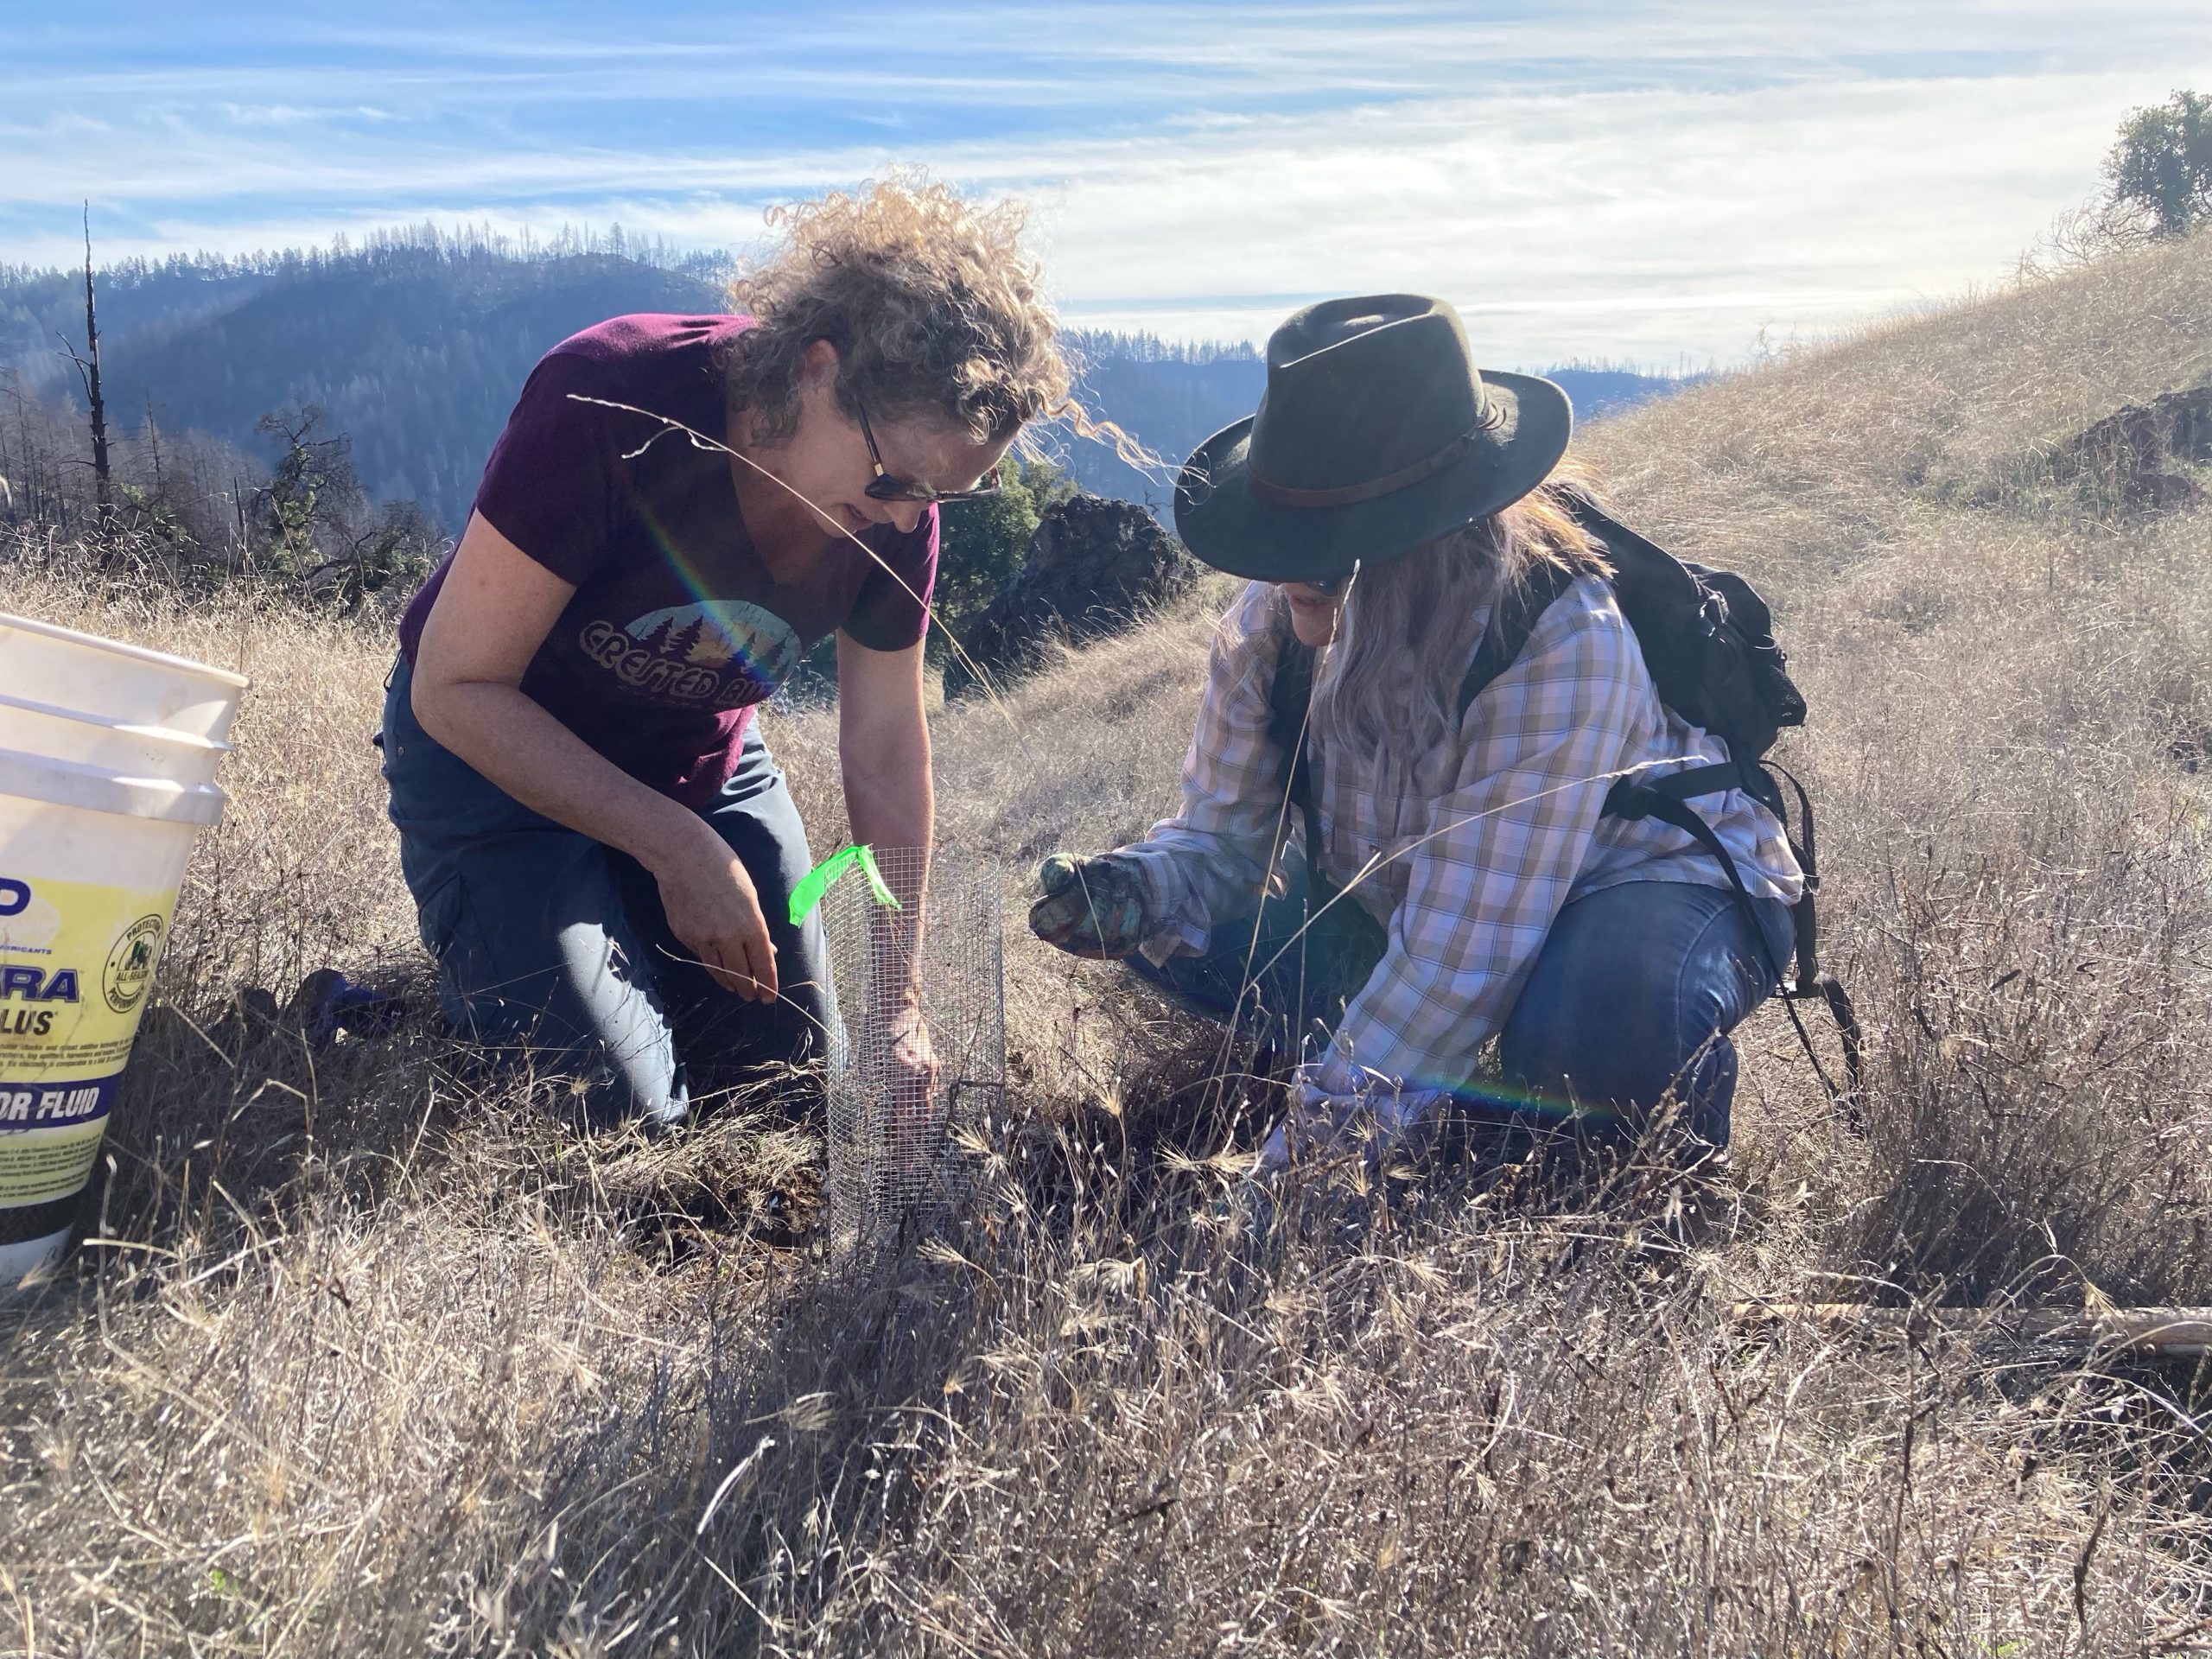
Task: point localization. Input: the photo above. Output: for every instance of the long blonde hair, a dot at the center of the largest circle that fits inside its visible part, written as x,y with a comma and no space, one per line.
1390,683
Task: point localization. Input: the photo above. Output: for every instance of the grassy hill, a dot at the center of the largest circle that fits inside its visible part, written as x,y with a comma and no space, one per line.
375,1360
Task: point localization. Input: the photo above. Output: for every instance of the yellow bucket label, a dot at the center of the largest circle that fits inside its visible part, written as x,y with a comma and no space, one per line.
41,1166
77,961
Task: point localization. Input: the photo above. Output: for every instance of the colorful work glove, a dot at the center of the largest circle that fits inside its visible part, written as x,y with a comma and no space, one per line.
1091,907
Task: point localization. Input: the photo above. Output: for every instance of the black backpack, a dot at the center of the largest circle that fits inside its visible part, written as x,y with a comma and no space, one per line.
1708,638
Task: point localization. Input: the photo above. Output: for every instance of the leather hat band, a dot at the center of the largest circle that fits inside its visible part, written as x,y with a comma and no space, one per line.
1344,495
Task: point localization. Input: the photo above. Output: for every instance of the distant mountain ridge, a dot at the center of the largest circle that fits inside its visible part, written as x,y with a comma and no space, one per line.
1172,397
417,343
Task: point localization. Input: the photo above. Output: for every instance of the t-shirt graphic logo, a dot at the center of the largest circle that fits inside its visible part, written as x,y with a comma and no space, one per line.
723,653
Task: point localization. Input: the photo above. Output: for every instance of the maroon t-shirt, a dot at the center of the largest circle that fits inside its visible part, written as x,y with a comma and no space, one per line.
677,628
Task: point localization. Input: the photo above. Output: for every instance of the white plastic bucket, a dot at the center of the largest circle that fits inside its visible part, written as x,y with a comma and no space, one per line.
107,757
113,746
92,676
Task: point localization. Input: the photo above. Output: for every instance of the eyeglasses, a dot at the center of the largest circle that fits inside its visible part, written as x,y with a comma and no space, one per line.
1330,587
889,486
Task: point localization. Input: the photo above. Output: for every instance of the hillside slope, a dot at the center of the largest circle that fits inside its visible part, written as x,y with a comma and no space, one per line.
377,1360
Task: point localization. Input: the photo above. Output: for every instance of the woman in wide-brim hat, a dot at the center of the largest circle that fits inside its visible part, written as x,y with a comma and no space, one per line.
1383,498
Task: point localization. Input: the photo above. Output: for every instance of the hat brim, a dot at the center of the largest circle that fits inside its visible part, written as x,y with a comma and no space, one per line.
1226,526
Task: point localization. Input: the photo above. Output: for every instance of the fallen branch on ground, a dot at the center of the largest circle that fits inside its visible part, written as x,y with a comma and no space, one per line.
2181,1332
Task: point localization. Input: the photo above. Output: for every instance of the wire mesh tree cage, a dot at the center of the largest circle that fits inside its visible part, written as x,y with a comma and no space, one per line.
917,1051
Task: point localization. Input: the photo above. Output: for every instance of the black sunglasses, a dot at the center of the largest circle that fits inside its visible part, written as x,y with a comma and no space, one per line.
1330,587
889,486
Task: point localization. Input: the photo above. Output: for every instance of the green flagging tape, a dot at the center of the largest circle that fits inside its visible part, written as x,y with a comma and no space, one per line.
817,881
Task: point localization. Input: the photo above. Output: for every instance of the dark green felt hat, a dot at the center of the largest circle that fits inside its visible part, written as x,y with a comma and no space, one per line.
1375,433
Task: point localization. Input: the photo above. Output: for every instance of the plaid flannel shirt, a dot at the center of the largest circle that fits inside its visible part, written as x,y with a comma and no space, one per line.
1468,882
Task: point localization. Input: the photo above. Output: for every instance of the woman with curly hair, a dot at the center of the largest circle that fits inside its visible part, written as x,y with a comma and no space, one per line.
599,846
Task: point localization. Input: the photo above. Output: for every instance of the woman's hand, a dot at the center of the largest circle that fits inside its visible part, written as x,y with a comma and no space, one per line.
494,613
1091,907
713,908
1383,1124
910,1063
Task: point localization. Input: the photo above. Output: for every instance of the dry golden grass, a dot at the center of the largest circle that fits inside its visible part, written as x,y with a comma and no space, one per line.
376,1360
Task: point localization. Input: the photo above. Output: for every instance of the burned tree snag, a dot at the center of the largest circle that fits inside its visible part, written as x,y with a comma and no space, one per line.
103,478
154,443
88,371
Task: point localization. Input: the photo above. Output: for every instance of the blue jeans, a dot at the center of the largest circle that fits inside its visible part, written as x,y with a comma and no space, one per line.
555,948
1632,997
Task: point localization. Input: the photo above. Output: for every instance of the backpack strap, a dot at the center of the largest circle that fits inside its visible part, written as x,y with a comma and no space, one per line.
1717,778
1757,781
1630,799
1811,979
1608,529
1513,618
1290,696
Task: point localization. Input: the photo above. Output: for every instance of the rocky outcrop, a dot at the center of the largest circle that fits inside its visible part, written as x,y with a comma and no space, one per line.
2135,452
1093,568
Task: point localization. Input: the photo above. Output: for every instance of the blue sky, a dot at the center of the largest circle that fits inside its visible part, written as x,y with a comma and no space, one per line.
1650,182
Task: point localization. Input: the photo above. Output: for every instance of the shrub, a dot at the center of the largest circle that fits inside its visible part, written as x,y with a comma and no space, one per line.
985,540
2159,173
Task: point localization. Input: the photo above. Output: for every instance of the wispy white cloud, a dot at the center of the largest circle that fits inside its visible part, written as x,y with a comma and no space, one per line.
267,115
1592,179
1632,225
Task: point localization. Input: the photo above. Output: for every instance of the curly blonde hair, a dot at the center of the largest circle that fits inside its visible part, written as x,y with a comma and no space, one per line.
935,308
